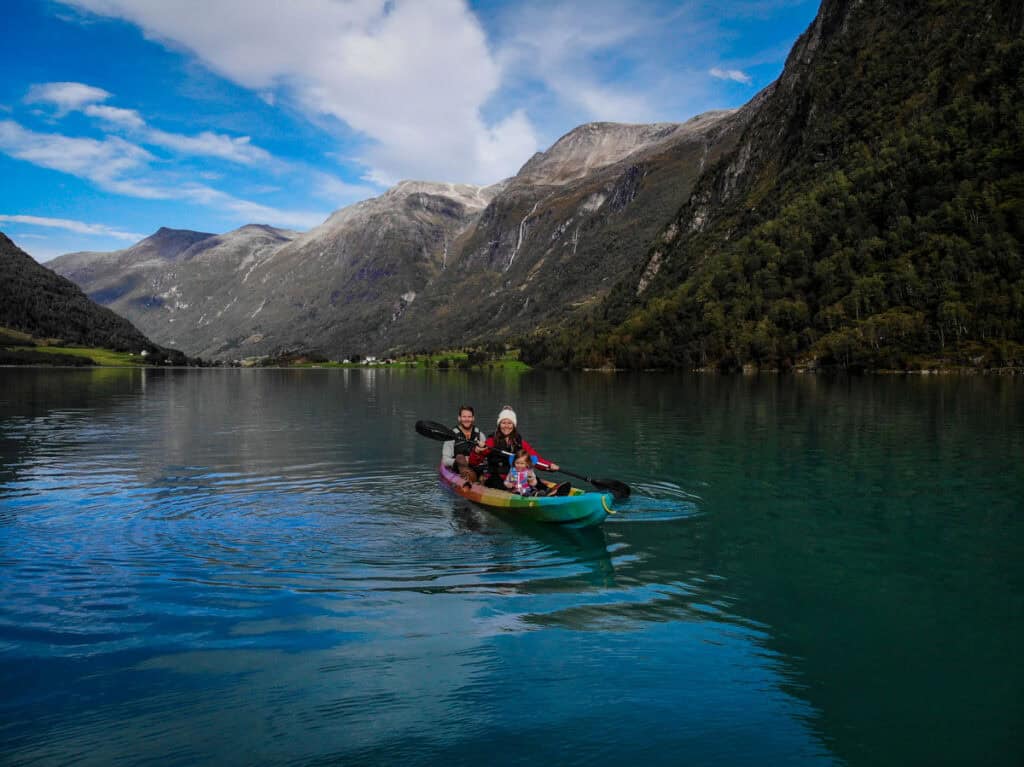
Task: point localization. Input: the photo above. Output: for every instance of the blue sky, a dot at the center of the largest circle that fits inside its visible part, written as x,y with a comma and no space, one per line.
118,117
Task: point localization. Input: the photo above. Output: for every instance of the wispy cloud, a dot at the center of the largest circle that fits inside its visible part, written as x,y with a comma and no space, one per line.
66,96
208,144
107,163
586,60
70,225
119,166
735,75
565,46
122,118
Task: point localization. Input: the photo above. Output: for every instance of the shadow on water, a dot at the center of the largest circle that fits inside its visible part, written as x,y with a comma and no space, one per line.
585,548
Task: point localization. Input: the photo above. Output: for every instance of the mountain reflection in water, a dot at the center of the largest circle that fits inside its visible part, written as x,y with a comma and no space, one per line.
259,566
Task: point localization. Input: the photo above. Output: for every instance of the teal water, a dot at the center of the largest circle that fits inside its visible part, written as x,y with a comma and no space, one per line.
259,567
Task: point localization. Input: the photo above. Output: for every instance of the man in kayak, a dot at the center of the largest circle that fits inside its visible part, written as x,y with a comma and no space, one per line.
505,443
464,454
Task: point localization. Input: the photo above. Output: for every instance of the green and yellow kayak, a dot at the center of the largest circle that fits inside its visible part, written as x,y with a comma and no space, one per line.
577,507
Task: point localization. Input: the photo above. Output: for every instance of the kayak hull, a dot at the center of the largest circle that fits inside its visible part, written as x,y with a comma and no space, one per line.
578,507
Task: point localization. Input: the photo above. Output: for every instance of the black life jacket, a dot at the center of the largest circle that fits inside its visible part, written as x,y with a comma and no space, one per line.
465,448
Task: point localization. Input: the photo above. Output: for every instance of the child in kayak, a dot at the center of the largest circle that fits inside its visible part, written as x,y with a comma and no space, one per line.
521,478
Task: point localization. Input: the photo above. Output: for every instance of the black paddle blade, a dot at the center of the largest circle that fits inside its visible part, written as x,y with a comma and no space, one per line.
619,489
434,430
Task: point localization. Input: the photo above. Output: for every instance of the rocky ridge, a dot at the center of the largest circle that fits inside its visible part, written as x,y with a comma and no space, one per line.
388,273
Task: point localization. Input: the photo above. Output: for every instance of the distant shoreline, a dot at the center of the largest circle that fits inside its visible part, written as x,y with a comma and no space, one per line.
952,371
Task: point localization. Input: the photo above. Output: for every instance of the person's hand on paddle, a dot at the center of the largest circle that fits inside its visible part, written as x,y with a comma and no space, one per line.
549,466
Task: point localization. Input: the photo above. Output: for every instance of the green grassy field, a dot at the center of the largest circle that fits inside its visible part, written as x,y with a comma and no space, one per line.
103,357
22,348
509,361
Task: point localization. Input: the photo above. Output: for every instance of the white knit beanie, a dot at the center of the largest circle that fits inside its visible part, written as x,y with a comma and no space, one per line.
509,413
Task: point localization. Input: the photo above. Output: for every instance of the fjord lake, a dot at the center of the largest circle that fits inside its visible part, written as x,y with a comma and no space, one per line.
251,567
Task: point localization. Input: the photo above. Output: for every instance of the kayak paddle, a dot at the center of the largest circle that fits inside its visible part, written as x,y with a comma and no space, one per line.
619,489
441,433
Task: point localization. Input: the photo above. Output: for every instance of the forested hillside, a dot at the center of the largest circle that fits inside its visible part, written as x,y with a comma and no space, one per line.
871,216
38,302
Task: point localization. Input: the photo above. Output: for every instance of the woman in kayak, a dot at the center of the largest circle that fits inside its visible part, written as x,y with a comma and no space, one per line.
507,440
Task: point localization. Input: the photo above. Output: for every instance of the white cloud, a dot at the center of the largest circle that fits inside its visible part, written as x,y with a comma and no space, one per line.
70,97
65,96
208,144
562,45
104,162
118,166
122,118
411,76
731,74
70,225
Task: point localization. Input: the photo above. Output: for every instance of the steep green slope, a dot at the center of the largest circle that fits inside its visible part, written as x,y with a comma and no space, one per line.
38,302
871,215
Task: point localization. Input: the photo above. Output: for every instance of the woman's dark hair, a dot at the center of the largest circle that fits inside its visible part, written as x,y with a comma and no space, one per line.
513,443
466,407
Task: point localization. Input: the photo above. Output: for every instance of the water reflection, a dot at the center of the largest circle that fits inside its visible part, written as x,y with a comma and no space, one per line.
260,566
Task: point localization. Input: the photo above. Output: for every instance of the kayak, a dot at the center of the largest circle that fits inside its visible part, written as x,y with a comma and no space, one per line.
585,508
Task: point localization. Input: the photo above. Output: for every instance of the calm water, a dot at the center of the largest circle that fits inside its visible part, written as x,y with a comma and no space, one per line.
259,567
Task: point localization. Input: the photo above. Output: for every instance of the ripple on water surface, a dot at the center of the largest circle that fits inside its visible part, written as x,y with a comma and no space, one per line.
101,559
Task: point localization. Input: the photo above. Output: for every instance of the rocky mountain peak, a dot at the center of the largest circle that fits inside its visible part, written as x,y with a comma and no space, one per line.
469,195
169,243
259,231
592,146
458,199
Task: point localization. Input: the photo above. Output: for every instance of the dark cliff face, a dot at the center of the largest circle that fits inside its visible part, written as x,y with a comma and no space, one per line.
774,136
868,213
36,301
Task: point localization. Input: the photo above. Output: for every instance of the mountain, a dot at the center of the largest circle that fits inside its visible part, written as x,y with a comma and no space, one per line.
175,283
156,251
870,214
36,301
565,229
341,286
424,265
863,211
